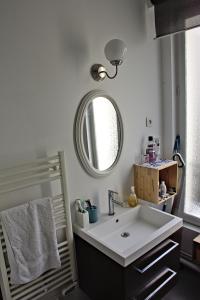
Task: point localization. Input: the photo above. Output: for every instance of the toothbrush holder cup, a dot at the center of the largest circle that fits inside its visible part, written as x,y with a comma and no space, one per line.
82,219
93,213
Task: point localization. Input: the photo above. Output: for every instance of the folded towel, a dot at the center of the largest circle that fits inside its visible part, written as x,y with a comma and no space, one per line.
30,237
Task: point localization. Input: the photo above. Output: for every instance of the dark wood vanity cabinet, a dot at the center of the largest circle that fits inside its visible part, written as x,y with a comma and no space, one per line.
149,277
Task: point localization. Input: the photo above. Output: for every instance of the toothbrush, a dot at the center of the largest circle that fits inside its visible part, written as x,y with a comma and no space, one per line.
79,206
89,203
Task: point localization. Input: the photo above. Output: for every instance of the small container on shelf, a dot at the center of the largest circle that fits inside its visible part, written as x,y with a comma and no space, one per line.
151,149
163,189
145,158
157,149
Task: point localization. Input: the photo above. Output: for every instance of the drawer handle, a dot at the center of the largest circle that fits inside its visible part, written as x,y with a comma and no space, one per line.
162,285
165,277
146,262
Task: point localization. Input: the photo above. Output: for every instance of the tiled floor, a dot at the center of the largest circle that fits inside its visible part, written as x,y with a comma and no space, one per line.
187,288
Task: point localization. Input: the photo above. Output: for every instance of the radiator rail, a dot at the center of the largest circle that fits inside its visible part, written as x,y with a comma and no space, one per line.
31,174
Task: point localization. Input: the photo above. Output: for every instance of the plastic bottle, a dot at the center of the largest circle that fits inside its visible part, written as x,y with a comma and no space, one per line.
157,149
132,199
163,189
151,149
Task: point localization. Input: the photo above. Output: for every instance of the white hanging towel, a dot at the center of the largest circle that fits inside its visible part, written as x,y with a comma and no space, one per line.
30,236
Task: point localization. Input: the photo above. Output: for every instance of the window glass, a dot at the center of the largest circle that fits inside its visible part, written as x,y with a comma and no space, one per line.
192,191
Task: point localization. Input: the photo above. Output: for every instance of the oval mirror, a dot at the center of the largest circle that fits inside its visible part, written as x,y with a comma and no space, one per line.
98,133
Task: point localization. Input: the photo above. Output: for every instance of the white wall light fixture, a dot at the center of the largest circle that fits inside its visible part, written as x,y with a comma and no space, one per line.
114,52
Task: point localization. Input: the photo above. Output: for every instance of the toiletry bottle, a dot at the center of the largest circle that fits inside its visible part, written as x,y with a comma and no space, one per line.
132,199
157,149
163,189
144,155
151,149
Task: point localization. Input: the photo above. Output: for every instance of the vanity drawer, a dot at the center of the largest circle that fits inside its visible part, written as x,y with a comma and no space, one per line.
155,256
158,286
165,255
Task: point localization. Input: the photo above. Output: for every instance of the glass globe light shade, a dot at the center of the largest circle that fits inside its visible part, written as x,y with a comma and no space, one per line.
114,51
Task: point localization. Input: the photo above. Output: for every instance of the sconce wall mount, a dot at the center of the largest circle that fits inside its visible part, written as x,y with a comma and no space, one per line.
114,52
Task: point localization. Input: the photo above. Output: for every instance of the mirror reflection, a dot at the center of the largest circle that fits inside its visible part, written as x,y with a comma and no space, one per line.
98,133
101,133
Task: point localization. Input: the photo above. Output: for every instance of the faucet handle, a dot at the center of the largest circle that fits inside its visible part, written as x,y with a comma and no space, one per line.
114,196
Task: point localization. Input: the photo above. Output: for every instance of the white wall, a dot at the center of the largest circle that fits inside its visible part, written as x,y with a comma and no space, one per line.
46,50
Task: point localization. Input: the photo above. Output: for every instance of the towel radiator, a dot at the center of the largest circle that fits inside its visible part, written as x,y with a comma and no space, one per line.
36,173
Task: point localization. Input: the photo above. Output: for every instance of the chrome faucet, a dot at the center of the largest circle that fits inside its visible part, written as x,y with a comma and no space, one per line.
111,200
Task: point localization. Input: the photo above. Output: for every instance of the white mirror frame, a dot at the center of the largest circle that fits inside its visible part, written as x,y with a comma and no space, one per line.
78,137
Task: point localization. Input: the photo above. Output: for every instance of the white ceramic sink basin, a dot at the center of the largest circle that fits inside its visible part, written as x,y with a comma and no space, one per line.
131,233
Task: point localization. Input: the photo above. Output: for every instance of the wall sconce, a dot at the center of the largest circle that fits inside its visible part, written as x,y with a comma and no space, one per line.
114,52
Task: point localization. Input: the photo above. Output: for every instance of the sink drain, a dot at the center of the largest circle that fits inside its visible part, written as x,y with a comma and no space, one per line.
125,234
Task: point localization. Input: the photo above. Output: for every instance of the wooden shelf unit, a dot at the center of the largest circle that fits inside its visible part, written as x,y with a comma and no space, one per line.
147,179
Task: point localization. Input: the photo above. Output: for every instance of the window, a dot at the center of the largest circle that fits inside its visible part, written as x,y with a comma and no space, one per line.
192,188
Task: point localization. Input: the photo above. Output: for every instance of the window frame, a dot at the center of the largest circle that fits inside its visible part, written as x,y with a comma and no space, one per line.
180,76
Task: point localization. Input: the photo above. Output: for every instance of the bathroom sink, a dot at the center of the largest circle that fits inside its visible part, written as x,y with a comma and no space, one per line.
131,233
